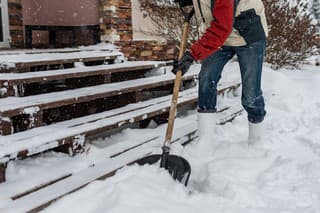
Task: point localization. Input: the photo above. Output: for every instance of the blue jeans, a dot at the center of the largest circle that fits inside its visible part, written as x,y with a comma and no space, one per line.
251,61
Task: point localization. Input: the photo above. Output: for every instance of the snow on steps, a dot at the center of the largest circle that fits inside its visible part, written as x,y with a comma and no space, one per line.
16,189
13,84
29,77
99,170
16,105
101,46
44,138
25,186
35,198
21,61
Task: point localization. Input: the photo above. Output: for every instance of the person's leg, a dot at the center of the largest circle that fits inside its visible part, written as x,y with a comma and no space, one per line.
209,76
208,79
251,61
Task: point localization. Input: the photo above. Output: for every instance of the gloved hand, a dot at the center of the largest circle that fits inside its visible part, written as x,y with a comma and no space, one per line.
183,64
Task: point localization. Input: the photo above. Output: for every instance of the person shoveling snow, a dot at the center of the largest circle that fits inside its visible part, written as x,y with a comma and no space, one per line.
238,28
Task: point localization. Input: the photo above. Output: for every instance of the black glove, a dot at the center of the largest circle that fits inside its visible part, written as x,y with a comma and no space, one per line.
183,64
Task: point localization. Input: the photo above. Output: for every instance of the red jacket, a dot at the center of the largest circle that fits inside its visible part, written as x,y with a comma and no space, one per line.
218,32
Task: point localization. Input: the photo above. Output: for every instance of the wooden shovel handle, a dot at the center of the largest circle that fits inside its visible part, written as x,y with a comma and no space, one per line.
177,82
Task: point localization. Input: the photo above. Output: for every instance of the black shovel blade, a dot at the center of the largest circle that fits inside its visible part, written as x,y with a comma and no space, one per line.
178,167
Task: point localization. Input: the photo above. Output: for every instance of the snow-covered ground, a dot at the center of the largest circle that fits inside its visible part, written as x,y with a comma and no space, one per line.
279,175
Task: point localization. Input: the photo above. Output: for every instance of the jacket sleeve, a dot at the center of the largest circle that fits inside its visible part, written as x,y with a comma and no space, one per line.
218,32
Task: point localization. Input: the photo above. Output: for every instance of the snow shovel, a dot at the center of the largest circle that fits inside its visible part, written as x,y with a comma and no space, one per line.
178,167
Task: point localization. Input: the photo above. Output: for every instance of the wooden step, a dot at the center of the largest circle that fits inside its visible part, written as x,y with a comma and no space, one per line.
99,47
15,84
33,108
30,62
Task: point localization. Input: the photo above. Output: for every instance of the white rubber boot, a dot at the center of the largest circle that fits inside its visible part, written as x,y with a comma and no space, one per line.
255,133
206,126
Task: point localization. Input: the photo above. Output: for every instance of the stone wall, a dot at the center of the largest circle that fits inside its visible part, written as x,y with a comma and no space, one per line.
116,26
16,23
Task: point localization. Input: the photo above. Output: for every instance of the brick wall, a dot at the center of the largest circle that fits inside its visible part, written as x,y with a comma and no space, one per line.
16,23
147,50
116,26
115,20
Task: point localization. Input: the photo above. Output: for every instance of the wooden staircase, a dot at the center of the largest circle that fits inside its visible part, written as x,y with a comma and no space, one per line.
57,102
45,105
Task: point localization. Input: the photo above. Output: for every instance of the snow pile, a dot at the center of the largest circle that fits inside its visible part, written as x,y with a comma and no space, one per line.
280,175
100,46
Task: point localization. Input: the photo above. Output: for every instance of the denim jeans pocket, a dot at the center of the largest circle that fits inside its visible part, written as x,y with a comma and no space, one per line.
249,25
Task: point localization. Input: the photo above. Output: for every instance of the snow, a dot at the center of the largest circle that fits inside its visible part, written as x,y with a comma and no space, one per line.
96,165
31,110
100,46
27,58
79,68
279,175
